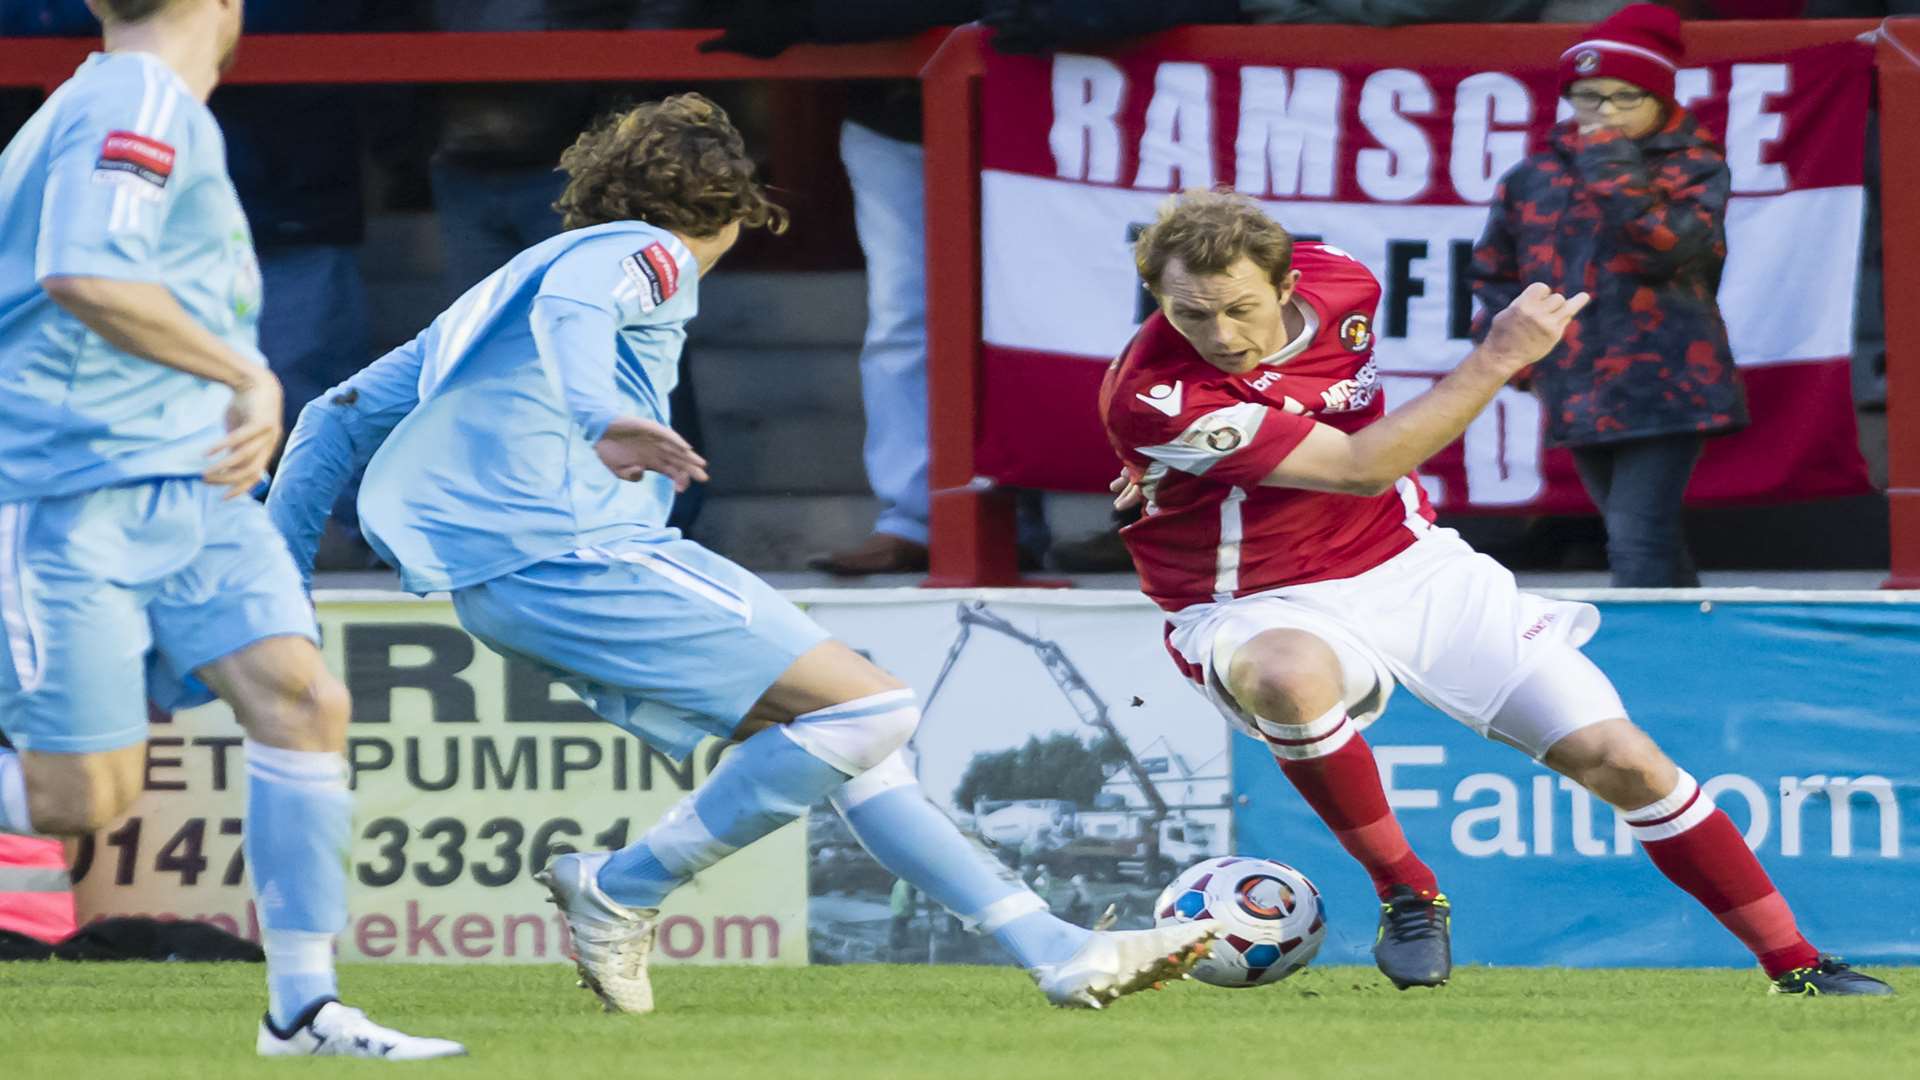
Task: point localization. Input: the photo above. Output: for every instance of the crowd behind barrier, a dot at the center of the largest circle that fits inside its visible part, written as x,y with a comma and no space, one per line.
480,156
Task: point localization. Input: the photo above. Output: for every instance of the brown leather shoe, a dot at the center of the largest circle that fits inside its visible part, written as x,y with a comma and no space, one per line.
881,553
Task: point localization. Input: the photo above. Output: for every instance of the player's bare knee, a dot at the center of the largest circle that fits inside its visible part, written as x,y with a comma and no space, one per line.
299,710
1287,680
76,810
1624,766
77,794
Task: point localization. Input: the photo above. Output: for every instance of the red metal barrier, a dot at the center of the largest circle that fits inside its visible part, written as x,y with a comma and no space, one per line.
550,56
1899,63
972,524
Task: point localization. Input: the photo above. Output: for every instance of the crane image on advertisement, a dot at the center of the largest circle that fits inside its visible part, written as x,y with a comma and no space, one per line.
1086,702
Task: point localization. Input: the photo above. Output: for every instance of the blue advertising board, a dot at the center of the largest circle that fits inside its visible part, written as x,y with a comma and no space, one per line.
1801,719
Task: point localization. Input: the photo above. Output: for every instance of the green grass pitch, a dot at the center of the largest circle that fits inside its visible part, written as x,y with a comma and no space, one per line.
129,1021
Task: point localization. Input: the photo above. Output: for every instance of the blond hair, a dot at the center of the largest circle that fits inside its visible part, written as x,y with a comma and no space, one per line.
1209,231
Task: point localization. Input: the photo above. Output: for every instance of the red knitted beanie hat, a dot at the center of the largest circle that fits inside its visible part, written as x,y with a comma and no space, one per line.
1639,44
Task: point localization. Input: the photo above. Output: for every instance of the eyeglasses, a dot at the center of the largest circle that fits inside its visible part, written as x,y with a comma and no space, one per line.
1621,99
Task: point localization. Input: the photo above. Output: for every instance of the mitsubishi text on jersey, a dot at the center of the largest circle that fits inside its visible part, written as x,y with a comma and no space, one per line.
121,174
478,435
1200,440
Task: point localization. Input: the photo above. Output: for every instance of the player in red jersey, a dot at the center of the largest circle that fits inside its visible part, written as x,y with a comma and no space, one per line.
1293,548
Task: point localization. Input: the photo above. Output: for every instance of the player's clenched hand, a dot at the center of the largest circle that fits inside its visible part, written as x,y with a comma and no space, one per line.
1127,492
253,433
634,446
1530,327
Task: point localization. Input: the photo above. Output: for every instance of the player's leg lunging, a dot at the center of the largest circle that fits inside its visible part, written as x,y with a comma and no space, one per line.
299,814
803,751
1691,841
1291,682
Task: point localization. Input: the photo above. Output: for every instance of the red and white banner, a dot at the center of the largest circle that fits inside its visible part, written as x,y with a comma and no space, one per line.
1396,165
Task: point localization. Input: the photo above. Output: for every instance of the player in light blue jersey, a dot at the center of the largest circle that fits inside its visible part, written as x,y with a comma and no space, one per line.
135,414
518,455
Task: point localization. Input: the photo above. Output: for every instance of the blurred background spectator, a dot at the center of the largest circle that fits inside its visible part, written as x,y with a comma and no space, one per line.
295,154
1647,373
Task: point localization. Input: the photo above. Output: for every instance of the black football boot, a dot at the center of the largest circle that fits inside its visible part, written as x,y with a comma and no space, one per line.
1413,948
1831,976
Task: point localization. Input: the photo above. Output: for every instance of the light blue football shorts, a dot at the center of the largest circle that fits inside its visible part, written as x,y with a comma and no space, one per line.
656,633
156,577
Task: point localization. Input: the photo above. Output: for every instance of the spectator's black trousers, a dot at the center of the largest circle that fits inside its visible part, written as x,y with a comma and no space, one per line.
1638,486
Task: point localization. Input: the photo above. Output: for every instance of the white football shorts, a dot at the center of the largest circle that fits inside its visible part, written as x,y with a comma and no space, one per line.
1441,619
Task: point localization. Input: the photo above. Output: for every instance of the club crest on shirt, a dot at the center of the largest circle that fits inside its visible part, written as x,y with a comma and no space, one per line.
126,157
1224,440
654,274
1356,332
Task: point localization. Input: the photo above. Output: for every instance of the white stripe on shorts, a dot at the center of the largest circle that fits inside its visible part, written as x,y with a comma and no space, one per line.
682,575
22,642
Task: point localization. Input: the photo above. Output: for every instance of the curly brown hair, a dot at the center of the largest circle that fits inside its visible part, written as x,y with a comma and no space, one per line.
1209,231
678,164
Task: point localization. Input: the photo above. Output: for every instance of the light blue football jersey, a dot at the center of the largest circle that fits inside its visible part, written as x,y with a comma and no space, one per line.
478,434
121,174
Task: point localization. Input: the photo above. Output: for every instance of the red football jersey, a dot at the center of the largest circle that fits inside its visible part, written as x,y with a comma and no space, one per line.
1200,440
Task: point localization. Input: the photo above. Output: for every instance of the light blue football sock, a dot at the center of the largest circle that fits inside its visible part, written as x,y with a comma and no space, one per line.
760,785
908,835
299,815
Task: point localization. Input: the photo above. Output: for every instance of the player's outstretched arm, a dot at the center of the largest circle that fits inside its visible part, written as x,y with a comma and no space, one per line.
144,319
1370,460
336,435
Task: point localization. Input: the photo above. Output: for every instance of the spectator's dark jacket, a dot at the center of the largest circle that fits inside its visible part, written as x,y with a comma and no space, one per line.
1640,224
294,151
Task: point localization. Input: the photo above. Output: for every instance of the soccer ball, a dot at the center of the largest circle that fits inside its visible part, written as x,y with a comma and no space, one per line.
1271,924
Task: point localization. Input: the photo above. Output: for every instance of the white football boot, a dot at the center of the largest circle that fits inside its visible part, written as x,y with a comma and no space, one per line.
1115,963
334,1030
611,942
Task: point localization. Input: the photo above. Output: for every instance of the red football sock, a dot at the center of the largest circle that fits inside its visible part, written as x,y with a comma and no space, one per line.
1697,846
1333,769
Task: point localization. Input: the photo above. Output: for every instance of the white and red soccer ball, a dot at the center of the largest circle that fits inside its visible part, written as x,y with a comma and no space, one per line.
1271,923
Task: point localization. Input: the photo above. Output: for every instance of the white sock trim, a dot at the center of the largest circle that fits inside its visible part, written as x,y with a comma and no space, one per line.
310,769
890,775
991,918
1683,808
1303,742
854,736
297,952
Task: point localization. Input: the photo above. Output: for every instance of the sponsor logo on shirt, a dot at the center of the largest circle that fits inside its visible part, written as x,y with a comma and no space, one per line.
1162,398
1352,395
654,273
128,156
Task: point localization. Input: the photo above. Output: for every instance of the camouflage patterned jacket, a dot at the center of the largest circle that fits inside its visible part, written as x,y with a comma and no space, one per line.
1640,224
